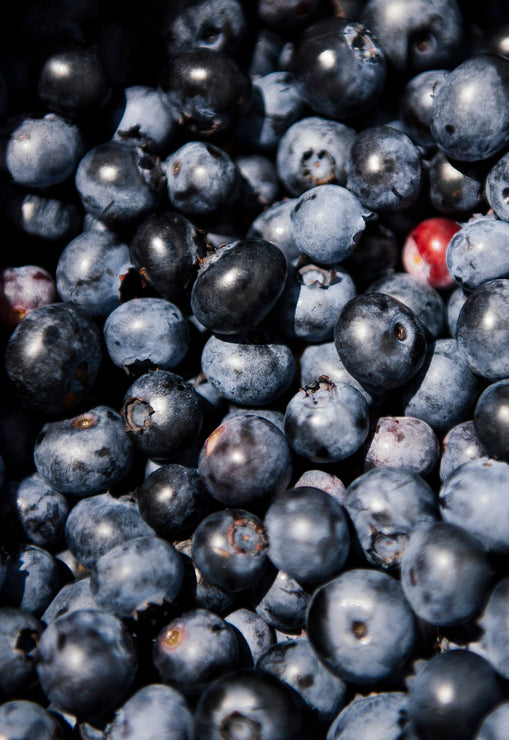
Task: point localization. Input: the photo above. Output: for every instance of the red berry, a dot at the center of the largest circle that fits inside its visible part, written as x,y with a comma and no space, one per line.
424,251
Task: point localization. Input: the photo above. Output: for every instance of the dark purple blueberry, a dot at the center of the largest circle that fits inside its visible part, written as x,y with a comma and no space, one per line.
28,721
20,632
31,581
71,597
259,179
197,592
416,105
39,510
281,601
214,24
322,360
491,420
254,635
153,712
455,188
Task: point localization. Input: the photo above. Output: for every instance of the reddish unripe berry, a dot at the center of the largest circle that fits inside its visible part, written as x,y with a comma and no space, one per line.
424,251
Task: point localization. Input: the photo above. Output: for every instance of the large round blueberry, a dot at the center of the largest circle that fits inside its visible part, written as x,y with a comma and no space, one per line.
153,712
477,253
27,720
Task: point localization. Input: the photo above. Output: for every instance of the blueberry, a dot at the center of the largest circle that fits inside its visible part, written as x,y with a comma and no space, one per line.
71,597
147,118
460,445
497,188
455,188
401,442
281,601
154,711
213,24
416,105
379,716
495,724
275,226
322,359
254,635
40,511
490,420
259,179
28,721
20,632
493,622
39,215
476,253
197,592
31,581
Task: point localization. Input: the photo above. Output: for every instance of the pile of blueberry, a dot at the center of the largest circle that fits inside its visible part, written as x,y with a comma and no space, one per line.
254,317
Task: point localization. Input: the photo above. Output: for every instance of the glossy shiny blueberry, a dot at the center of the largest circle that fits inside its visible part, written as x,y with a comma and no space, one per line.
490,420
455,188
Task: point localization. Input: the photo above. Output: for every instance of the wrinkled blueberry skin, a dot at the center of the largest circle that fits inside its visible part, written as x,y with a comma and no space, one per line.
19,635
385,505
311,301
146,118
380,716
86,454
135,574
153,712
482,332
215,24
201,179
90,271
254,635
451,695
172,501
178,651
494,624
281,601
165,250
496,724
28,721
322,360
426,302
73,83
43,151
416,105
327,422
461,445
53,358
246,702
454,189
313,151
483,516
246,459
206,88
39,510
419,35
247,372
71,597
327,223
445,573
274,225
473,126
339,68
163,414
497,183
86,663
237,286
230,548
146,333
308,534
118,183
31,581
440,405
478,253
361,626
99,523
39,215
401,442
384,169
295,663
380,340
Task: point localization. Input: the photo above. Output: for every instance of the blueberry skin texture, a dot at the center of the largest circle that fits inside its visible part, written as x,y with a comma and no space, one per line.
237,285
418,35
445,573
31,581
90,271
494,624
131,576
178,651
71,597
482,332
153,712
295,663
163,414
455,190
255,636
146,333
471,109
496,724
197,592
28,721
43,151
51,219
311,301
246,459
427,398
247,372
86,454
313,151
53,358
380,716
451,695
461,445
20,632
484,516
230,548
215,24
119,183
477,253
385,506
248,703
361,626
327,422
308,534
380,341
172,501
327,223
99,523
322,359
416,105
384,169
401,442
201,179
339,68
146,117
454,305
490,423
41,512
260,180
280,601
86,663
497,183
275,226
